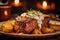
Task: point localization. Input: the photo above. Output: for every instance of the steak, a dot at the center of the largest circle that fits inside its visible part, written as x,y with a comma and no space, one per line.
25,26
31,25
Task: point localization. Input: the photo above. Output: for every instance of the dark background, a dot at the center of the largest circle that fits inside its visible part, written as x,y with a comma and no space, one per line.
30,3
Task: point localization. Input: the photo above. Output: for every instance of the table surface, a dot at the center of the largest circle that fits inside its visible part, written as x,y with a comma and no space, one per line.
56,37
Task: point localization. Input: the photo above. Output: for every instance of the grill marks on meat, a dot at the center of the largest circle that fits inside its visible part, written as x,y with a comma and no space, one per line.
19,26
45,22
28,25
31,25
25,26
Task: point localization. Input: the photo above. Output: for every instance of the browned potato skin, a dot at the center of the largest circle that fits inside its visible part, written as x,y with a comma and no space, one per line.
8,26
4,29
36,31
55,27
47,30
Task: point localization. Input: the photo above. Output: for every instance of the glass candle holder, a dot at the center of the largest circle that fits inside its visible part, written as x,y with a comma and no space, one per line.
5,13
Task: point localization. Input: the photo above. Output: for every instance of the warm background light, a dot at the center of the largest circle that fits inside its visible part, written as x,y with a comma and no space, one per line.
16,1
5,13
44,4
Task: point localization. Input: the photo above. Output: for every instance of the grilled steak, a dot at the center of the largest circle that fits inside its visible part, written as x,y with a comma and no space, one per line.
25,26
31,25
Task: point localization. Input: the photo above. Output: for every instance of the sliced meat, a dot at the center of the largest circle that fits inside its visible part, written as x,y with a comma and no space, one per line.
31,25
45,22
25,26
19,26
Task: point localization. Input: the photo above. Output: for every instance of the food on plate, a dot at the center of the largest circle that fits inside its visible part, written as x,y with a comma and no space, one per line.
37,31
47,30
8,26
31,22
26,25
55,27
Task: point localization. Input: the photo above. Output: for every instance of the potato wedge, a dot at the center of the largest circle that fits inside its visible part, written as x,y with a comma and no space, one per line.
55,27
47,30
8,26
36,31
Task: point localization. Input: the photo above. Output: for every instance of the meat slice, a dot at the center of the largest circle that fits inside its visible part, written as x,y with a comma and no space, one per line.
25,26
19,26
31,25
45,24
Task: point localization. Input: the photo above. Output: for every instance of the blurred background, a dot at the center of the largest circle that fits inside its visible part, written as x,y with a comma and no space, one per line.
32,3
53,6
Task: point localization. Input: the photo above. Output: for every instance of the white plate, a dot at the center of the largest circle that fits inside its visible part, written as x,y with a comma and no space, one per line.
28,35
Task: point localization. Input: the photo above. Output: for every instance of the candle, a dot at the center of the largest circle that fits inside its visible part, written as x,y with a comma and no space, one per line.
44,4
5,12
16,3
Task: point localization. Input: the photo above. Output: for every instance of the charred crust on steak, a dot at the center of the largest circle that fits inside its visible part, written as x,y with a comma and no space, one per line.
25,26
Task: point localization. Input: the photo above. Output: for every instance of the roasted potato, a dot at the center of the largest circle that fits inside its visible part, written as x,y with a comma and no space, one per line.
8,26
47,30
55,27
36,31
12,22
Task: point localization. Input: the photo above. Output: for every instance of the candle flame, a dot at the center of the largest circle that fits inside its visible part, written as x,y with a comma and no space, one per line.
44,4
16,1
5,12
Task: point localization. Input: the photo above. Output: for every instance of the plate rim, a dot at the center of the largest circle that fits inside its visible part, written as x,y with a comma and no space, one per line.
15,34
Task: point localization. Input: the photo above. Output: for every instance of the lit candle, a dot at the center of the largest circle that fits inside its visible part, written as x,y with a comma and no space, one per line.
16,3
44,4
